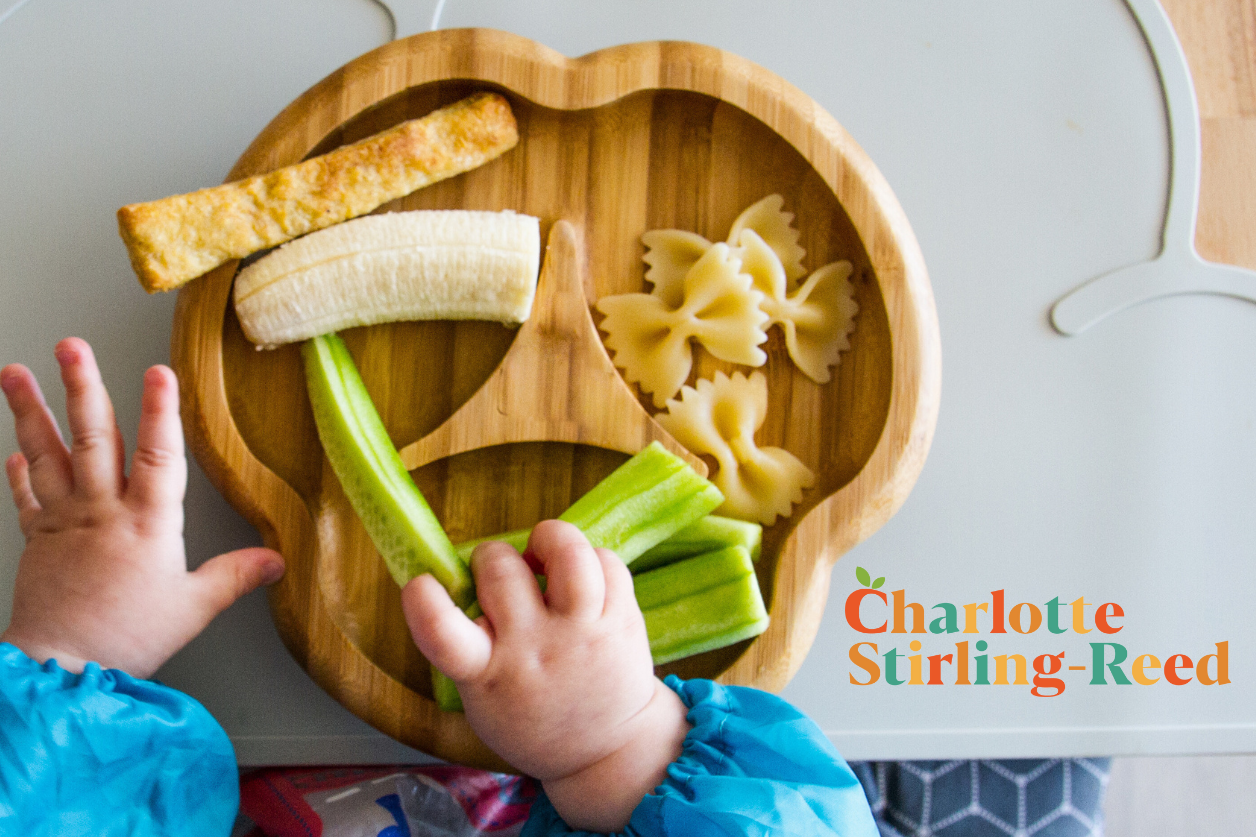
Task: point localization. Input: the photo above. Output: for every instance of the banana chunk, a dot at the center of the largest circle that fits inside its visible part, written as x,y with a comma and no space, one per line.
421,265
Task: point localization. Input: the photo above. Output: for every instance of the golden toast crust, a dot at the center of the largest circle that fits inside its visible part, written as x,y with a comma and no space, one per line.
175,239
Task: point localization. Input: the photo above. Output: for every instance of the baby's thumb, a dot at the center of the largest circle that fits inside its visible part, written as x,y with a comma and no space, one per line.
229,576
444,634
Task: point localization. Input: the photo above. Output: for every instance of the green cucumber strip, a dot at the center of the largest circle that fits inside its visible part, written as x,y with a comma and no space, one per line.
641,503
652,497
694,605
700,604
445,693
706,535
517,538
397,518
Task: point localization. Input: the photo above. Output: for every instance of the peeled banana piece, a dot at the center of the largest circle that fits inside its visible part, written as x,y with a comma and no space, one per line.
420,265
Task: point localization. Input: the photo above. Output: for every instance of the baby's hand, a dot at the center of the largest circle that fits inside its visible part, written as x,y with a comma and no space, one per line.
104,577
559,684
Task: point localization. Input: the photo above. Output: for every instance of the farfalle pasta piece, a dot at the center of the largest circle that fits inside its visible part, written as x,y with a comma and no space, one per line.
720,309
670,253
775,226
817,317
719,418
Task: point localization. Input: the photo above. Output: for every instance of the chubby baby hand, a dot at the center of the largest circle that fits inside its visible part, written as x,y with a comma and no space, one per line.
560,683
104,577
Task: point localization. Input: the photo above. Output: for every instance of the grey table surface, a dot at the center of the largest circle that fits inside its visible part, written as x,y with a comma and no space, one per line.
1027,144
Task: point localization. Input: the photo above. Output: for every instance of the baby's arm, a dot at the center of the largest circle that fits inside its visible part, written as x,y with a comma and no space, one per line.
559,684
103,588
104,577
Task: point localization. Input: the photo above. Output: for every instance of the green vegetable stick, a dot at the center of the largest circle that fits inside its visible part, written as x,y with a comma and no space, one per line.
695,605
445,692
517,538
443,689
700,603
706,535
397,518
650,498
643,502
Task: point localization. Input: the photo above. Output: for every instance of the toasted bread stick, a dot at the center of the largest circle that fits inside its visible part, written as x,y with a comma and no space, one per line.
175,239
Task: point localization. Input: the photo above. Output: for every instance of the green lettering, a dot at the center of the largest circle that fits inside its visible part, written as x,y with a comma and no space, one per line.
1099,655
891,668
983,676
1053,617
950,616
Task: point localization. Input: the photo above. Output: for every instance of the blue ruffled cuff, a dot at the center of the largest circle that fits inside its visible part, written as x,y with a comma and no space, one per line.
103,753
752,764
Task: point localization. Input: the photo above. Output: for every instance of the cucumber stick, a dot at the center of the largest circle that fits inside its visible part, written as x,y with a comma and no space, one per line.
517,538
706,535
701,603
651,498
444,692
641,503
694,605
397,518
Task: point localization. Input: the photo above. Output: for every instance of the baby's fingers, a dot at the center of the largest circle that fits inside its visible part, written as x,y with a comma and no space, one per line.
445,636
20,484
159,467
223,579
37,434
618,580
506,588
575,579
95,452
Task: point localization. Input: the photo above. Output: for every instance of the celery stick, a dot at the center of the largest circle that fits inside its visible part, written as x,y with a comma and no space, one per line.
397,518
700,603
707,535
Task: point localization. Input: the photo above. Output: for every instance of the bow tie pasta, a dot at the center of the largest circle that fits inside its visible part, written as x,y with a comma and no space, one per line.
725,296
720,418
719,309
816,317
776,227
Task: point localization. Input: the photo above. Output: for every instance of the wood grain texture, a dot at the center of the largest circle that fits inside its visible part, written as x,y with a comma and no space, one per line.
625,140
1219,38
555,383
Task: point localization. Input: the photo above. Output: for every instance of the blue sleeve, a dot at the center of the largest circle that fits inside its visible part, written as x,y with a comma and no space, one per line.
753,765
102,753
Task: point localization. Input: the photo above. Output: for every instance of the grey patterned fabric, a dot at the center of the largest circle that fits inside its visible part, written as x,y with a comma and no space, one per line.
1017,797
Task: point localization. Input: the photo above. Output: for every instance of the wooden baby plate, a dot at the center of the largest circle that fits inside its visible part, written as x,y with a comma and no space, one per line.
506,427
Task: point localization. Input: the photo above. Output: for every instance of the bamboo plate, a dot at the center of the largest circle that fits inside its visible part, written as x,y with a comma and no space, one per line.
612,144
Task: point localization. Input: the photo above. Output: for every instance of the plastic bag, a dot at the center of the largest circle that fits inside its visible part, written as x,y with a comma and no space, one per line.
424,801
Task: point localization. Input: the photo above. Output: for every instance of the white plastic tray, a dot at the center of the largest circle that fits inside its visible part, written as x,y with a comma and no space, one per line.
1028,144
